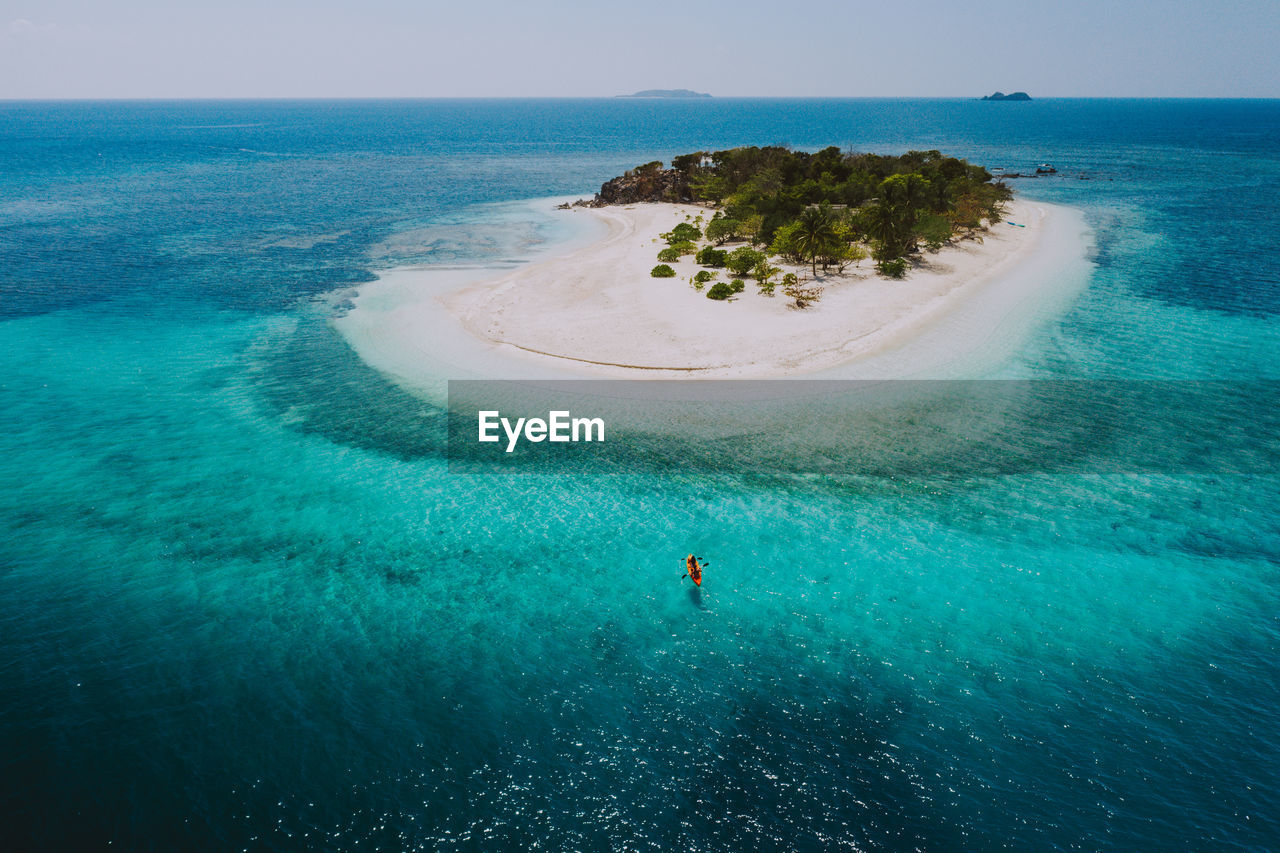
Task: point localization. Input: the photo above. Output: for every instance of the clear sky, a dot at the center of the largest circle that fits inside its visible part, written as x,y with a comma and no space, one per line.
430,48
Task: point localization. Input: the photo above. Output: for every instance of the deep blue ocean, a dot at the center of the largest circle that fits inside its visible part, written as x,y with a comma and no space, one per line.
241,608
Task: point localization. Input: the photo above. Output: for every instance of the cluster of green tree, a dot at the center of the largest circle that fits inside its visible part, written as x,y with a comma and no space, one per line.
681,240
744,261
816,208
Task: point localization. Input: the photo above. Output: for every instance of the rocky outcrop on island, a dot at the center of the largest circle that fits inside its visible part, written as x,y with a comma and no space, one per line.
667,93
1001,96
649,182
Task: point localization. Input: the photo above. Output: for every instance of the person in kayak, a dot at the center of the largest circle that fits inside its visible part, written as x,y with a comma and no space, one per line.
693,567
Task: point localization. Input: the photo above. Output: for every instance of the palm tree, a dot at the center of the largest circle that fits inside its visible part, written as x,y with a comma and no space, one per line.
815,232
883,224
893,217
906,191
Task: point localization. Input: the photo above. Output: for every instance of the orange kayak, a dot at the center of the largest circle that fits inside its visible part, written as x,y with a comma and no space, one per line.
695,570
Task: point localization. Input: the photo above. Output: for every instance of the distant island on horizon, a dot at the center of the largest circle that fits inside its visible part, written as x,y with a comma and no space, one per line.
666,93
1001,96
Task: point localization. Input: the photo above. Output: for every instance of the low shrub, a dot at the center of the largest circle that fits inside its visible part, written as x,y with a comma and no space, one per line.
723,229
662,271
684,231
668,255
720,290
741,260
712,257
704,276
737,286
893,268
804,294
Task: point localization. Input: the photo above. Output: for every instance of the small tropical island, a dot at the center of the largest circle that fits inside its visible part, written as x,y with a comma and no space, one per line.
666,93
751,262
829,209
1001,96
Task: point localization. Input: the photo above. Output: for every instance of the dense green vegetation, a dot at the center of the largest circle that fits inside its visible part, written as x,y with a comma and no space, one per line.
828,209
821,208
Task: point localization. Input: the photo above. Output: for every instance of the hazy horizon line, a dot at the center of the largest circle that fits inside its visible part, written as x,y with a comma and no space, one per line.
158,98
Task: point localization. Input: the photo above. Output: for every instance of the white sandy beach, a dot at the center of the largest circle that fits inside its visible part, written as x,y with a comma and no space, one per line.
594,311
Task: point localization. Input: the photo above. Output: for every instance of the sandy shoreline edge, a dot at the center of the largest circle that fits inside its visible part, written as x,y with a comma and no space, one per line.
593,311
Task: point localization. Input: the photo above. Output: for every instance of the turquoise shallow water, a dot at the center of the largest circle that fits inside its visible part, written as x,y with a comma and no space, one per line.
245,604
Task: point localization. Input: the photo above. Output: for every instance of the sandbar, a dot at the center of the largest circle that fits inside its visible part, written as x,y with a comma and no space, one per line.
594,311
